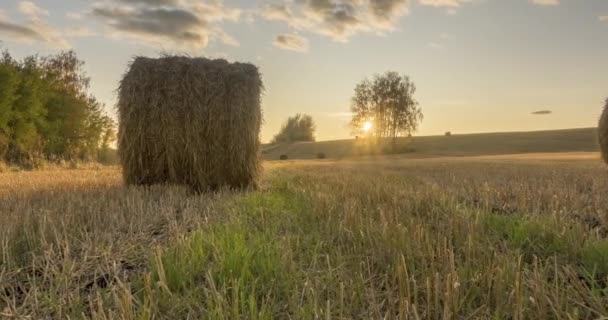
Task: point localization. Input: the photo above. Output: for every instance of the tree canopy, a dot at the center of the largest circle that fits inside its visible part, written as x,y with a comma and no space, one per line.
300,127
46,112
385,106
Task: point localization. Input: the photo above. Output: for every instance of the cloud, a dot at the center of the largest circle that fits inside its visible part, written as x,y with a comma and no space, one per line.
443,3
34,27
546,2
291,42
19,31
31,10
152,2
451,6
277,12
79,32
338,19
542,112
185,23
341,20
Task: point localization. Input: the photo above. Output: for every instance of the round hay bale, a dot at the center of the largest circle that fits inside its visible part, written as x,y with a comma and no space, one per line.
603,132
190,121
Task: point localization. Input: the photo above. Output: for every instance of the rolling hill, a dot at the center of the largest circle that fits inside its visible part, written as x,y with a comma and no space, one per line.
568,140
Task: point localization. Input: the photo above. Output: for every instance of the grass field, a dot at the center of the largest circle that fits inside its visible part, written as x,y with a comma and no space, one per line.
503,237
570,140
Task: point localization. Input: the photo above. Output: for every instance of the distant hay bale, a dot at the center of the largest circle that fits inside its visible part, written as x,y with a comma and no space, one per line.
603,132
190,121
321,155
283,157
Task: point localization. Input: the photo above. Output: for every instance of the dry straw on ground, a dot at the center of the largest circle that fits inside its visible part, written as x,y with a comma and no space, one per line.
603,133
190,121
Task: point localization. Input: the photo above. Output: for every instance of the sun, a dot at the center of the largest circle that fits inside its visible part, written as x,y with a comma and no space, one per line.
367,126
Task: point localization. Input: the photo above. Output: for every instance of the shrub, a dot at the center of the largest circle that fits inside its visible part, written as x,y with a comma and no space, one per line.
283,157
603,132
448,134
300,128
107,156
190,121
320,155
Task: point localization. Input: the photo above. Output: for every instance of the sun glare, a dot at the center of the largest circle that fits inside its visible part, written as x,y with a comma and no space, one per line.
367,126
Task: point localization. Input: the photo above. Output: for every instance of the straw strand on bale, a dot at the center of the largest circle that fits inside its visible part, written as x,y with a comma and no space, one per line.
190,121
603,132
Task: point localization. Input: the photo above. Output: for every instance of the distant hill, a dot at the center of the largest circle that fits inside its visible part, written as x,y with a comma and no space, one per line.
568,140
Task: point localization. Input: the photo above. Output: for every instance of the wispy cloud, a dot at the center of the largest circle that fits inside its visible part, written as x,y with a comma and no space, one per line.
451,6
542,112
34,27
443,3
441,41
291,42
546,2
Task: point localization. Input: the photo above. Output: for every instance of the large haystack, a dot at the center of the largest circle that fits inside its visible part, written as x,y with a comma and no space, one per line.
190,121
603,132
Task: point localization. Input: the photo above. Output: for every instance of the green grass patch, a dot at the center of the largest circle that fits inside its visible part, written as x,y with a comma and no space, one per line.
546,238
239,267
230,269
595,257
541,238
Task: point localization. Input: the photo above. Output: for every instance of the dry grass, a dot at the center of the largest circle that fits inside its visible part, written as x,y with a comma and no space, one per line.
398,239
190,121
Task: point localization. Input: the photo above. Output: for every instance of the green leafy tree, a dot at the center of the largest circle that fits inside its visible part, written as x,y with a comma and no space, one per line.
46,111
9,81
387,102
300,127
28,112
98,130
76,121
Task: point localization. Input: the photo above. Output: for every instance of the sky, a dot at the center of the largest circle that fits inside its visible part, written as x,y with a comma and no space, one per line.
478,65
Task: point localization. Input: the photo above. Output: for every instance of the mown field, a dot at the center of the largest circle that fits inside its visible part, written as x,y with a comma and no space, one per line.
446,238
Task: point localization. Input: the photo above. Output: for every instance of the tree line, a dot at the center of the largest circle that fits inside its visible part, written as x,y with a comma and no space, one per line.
47,113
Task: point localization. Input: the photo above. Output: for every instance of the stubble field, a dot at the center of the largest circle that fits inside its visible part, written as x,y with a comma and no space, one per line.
522,237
